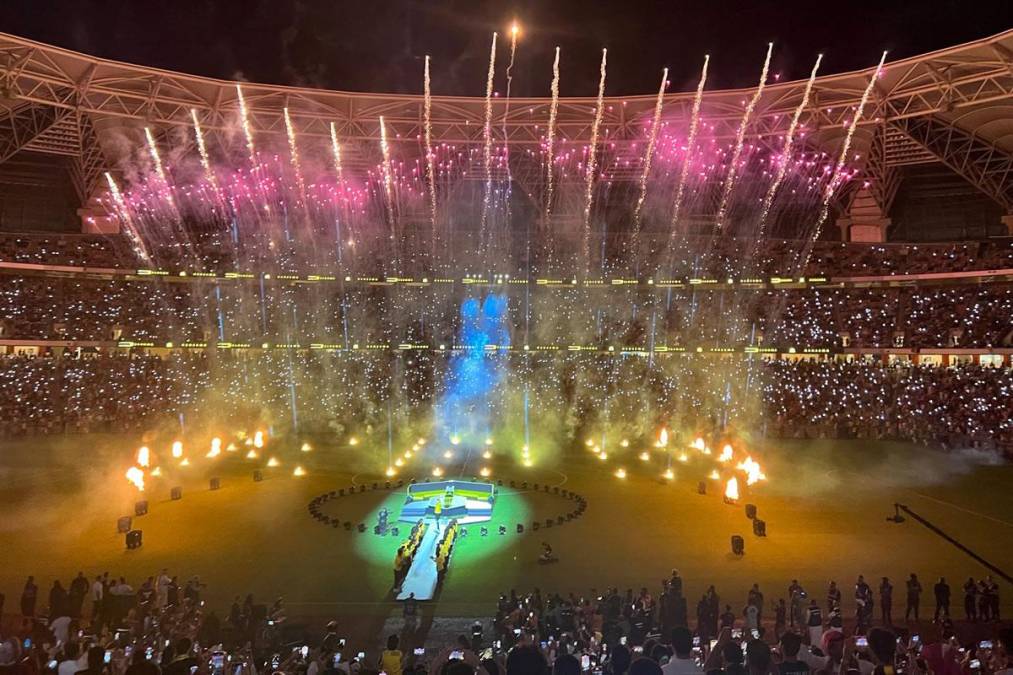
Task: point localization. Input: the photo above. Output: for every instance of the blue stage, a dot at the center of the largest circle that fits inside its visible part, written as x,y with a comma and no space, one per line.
460,500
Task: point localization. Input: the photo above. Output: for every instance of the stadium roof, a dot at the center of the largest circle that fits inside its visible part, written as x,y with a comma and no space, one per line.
953,106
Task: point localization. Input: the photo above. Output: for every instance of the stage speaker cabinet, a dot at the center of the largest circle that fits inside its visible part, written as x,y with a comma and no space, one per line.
134,539
394,531
535,487
176,493
341,492
141,507
500,482
362,488
701,487
215,483
123,524
386,485
548,522
400,483
502,529
524,485
520,528
738,545
258,475
362,527
513,483
751,511
335,523
348,525
376,486
376,529
760,528
559,520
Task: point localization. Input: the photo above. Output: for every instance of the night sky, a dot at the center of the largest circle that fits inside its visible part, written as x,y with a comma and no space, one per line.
376,45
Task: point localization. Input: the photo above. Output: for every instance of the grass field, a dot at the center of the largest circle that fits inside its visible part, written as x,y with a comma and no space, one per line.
825,505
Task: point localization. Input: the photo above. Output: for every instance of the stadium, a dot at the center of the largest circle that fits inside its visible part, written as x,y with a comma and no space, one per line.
417,363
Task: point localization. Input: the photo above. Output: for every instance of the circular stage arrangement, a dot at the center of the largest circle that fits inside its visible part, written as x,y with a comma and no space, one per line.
314,534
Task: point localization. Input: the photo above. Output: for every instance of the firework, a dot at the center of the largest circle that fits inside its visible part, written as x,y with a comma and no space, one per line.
652,141
177,449
732,490
205,159
592,162
299,471
127,219
694,125
143,456
216,447
430,170
550,136
752,469
487,135
789,139
258,439
388,176
740,137
244,116
293,153
837,178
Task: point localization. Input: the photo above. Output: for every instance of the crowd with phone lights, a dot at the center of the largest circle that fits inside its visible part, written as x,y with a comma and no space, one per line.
104,626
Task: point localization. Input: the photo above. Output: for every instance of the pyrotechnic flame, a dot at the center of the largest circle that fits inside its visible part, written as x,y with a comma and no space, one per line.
527,461
683,457
136,476
143,456
652,140
390,471
455,439
177,449
437,471
592,164
299,471
699,444
252,454
726,454
388,175
231,447
732,489
273,461
399,462
752,470
448,455
714,475
353,441
663,438
620,473
624,443
157,471
644,456
668,475
484,472
306,447
486,455
740,137
185,462
603,456
258,439
694,125
216,447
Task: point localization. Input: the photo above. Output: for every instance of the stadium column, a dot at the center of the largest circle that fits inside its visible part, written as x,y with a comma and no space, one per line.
1007,220
863,229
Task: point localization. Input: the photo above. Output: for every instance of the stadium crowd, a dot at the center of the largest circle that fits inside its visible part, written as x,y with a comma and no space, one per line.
106,626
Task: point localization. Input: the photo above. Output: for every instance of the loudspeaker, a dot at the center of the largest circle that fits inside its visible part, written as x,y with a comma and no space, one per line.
123,524
341,492
751,511
258,475
738,545
362,488
386,485
535,525
348,525
215,483
141,507
760,528
176,493
502,529
376,485
520,528
394,531
362,527
484,531
701,487
559,520
134,539
376,529
548,522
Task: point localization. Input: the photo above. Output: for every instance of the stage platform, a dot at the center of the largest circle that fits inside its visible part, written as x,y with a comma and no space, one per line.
464,501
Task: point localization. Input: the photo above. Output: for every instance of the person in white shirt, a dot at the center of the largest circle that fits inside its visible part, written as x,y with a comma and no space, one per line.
61,627
162,588
682,662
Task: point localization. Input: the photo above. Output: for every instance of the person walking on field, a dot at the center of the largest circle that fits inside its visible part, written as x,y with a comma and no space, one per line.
886,601
970,599
942,593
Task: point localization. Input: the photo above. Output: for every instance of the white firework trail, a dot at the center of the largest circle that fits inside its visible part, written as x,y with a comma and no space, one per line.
838,175
592,163
244,117
205,159
514,30
694,125
430,169
652,140
388,178
156,159
336,154
550,137
293,153
740,137
789,140
128,221
487,134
